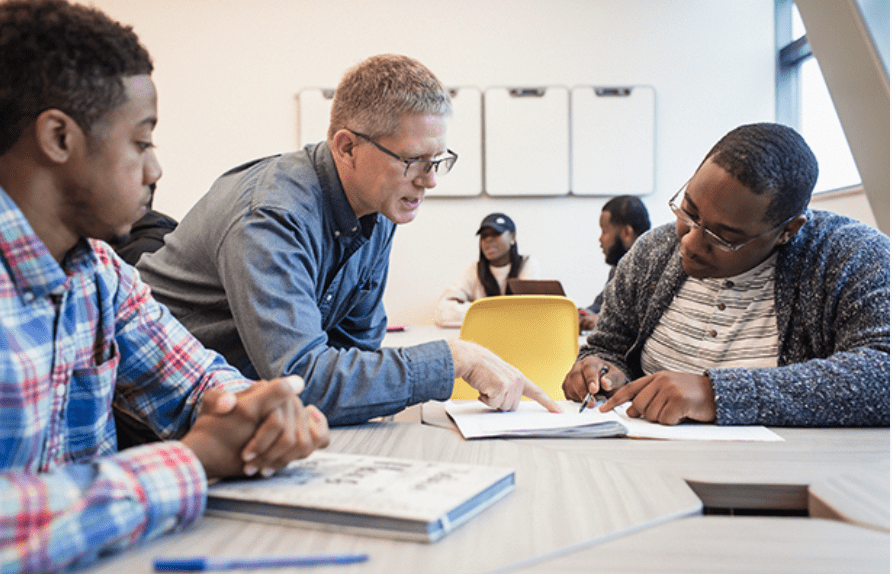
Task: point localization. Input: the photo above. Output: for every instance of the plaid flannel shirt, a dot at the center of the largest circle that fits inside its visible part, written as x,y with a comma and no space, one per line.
75,338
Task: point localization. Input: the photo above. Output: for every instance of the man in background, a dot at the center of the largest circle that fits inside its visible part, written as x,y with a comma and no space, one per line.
623,219
282,265
80,333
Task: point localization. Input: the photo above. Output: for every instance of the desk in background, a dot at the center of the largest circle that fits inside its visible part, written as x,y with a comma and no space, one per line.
417,334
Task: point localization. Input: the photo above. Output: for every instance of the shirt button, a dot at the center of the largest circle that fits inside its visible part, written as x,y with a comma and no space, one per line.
713,333
353,230
60,390
328,297
721,306
28,296
337,233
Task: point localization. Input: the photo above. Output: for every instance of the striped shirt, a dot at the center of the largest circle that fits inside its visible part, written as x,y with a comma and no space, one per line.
717,323
75,337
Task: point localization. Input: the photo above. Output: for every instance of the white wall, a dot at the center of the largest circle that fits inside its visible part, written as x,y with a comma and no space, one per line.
228,73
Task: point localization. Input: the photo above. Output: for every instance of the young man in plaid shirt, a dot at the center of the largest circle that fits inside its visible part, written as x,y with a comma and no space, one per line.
80,333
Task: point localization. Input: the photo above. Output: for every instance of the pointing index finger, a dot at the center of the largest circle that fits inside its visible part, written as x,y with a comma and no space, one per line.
626,393
531,390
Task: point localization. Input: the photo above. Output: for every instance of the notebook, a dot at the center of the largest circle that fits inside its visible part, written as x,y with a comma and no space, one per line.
531,420
536,287
378,496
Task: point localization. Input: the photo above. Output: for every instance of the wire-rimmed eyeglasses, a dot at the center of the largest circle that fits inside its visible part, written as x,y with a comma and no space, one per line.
711,237
418,166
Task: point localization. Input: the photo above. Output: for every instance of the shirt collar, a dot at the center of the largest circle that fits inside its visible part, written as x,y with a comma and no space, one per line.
752,279
31,266
337,205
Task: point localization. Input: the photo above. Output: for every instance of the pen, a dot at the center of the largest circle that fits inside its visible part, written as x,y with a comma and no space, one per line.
201,563
589,396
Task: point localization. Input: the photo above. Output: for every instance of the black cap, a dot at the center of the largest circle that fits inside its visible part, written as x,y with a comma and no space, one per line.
498,221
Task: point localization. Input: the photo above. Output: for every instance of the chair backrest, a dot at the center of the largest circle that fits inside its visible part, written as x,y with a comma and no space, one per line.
538,334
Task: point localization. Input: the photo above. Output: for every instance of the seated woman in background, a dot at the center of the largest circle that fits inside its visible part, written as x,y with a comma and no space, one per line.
499,261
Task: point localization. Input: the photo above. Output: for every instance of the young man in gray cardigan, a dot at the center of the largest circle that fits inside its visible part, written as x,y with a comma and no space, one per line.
752,308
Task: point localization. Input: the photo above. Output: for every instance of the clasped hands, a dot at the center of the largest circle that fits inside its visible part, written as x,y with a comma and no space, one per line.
260,429
666,397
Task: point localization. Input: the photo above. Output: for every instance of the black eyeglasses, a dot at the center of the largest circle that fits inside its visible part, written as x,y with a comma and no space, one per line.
711,237
419,167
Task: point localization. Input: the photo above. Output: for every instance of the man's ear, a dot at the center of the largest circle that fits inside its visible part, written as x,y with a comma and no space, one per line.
57,134
627,236
792,229
343,146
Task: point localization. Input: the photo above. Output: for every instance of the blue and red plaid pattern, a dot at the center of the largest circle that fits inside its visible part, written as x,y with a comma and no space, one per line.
77,337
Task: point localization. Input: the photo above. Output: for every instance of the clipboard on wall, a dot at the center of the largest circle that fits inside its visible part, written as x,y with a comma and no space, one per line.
526,141
612,140
464,136
313,113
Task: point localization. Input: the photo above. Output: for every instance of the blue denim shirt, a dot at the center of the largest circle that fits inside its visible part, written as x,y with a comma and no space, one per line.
273,269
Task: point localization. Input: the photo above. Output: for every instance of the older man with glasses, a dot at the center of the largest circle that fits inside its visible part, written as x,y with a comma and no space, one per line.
751,308
281,266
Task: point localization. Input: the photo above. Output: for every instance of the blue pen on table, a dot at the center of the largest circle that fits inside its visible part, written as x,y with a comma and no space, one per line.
590,396
202,564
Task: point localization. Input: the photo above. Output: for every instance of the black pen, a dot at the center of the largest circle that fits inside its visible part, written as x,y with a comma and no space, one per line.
590,396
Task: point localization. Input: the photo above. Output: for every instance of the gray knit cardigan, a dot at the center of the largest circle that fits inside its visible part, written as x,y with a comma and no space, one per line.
832,304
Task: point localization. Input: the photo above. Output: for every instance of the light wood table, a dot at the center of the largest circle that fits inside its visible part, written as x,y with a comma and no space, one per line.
561,503
838,473
602,505
605,505
838,478
726,545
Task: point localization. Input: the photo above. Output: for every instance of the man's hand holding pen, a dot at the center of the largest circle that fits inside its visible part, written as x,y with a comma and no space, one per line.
592,376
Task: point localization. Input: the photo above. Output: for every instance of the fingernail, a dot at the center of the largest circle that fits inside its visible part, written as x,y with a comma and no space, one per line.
297,383
249,456
268,472
250,470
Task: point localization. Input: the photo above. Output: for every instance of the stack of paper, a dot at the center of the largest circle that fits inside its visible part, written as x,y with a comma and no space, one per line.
531,420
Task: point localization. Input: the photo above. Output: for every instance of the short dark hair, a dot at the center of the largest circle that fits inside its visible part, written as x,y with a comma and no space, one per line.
58,55
628,210
770,158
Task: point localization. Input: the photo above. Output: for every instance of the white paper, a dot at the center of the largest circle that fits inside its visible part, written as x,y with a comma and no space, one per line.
476,420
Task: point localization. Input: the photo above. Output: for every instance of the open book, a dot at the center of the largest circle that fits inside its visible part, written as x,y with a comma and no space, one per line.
379,496
531,420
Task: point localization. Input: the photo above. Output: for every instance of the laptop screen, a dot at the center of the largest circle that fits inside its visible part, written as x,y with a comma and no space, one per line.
536,287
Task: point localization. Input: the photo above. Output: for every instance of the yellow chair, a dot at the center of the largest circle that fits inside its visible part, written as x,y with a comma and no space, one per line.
538,334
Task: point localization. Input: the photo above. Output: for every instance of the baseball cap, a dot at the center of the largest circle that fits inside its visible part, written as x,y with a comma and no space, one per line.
498,221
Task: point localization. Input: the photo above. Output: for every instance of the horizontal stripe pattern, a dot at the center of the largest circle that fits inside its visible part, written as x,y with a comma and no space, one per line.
717,323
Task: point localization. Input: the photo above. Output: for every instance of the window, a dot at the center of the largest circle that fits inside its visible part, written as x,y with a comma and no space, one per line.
803,100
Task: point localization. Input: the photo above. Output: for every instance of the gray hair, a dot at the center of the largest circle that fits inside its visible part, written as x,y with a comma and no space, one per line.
375,95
